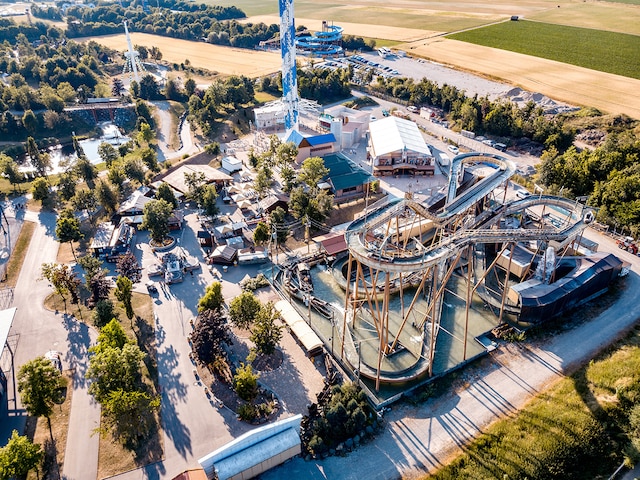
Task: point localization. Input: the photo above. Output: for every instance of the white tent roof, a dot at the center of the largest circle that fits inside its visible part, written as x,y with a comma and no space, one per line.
391,134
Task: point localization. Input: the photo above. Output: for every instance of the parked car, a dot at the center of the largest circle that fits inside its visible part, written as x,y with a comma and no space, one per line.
151,287
55,358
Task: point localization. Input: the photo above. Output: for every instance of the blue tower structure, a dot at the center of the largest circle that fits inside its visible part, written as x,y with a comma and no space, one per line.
290,98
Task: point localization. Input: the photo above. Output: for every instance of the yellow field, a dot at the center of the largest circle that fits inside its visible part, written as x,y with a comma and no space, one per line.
574,85
566,83
224,60
359,29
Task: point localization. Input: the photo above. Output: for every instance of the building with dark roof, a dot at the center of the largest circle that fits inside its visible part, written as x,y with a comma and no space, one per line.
345,178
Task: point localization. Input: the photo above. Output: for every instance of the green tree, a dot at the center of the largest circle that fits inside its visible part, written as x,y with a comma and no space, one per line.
67,185
264,180
39,384
266,333
134,169
40,190
106,196
155,218
145,134
30,121
108,154
129,415
312,172
123,292
195,182
209,197
19,456
91,266
212,298
245,382
261,234
111,335
210,335
112,369
244,309
85,200
68,229
104,310
86,170
63,279
9,168
303,205
165,192
276,223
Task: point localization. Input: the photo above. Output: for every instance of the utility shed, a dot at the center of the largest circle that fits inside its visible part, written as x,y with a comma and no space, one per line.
255,452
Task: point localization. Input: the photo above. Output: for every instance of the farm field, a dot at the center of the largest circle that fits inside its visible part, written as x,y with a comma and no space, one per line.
568,83
572,45
427,15
613,17
398,34
223,60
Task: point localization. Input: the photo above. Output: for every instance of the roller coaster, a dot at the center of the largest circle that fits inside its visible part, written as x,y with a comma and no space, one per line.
326,43
413,249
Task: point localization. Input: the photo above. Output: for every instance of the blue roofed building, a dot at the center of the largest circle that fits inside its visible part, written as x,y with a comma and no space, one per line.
313,145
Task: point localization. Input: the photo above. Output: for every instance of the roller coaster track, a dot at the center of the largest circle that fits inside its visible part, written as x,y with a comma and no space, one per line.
423,258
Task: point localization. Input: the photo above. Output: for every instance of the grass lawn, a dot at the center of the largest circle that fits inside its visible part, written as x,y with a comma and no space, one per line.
593,49
17,256
560,432
39,429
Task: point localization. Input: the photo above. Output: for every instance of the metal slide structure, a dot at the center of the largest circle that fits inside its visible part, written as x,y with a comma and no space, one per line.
404,238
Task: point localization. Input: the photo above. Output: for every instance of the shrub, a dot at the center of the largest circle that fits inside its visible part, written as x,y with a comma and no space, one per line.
103,313
247,412
245,383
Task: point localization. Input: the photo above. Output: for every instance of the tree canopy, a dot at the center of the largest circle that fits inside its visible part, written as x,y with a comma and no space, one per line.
38,384
212,298
156,219
243,310
19,456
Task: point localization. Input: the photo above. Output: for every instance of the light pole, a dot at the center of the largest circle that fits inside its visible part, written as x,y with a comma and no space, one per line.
359,352
308,300
333,324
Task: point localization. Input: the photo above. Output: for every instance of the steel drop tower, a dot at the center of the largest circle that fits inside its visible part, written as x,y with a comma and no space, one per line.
290,98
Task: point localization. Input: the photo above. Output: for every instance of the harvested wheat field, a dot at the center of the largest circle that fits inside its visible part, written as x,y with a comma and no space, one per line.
574,85
398,34
224,60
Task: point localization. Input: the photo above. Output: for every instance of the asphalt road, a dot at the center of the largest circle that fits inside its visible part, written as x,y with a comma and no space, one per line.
34,332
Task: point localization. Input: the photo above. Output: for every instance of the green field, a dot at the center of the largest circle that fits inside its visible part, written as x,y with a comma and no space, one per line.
608,52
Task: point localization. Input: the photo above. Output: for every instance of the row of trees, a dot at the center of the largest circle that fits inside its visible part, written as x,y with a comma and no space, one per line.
481,115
